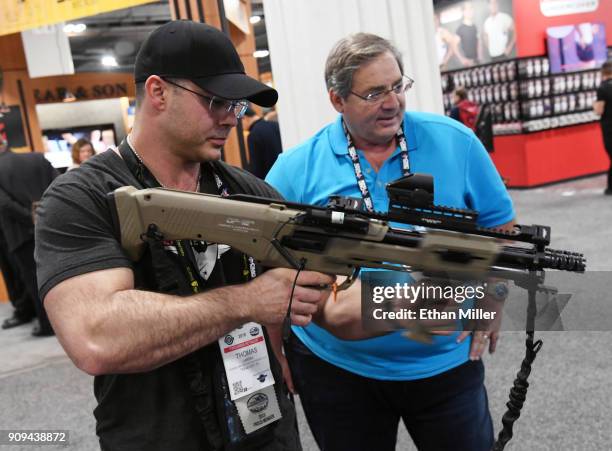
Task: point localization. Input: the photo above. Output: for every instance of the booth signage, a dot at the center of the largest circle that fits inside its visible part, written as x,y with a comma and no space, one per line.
20,15
99,91
552,8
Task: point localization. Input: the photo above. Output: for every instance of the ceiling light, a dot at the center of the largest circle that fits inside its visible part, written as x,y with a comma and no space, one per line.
255,19
70,28
261,53
109,61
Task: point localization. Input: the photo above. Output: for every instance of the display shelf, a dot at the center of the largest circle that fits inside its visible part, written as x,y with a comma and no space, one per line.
523,96
560,121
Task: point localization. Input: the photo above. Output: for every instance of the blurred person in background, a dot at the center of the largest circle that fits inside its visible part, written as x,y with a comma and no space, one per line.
464,110
603,107
476,117
264,142
20,299
24,177
81,151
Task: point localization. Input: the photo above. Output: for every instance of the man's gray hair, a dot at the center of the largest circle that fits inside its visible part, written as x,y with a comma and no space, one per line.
349,54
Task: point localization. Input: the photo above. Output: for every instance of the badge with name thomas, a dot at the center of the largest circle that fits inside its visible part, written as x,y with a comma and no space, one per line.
249,377
246,361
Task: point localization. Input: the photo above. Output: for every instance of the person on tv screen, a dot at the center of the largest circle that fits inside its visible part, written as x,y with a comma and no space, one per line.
585,49
447,43
469,46
499,35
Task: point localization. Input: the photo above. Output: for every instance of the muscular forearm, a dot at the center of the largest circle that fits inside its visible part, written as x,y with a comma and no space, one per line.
155,329
106,326
133,331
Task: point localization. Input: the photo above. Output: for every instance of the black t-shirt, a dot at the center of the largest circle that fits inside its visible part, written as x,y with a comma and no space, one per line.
469,40
143,411
604,92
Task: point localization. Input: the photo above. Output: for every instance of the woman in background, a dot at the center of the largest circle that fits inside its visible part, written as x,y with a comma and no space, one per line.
82,150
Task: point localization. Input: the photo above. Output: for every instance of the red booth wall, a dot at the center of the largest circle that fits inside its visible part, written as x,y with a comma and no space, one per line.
549,156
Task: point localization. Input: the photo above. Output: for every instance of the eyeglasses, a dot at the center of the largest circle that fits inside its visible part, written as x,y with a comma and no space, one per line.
217,105
378,96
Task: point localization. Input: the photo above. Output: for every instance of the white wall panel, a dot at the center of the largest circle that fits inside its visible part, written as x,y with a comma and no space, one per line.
302,32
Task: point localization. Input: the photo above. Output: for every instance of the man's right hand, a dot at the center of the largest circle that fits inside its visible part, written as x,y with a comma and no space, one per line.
270,294
423,305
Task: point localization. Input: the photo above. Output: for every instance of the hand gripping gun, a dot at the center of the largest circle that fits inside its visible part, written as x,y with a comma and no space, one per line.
341,238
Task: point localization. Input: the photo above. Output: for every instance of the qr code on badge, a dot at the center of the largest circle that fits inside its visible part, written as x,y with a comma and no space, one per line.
238,388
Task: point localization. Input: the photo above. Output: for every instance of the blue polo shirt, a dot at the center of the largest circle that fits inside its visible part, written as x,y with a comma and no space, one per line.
464,177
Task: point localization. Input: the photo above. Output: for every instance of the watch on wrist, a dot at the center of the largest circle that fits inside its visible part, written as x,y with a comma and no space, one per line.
498,290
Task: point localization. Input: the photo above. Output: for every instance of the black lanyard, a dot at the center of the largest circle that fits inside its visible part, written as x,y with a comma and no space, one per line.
250,270
137,167
361,182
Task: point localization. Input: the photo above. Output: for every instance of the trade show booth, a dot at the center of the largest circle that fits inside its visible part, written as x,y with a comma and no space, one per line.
540,90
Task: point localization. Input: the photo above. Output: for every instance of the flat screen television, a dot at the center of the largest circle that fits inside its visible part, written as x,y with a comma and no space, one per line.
58,142
576,47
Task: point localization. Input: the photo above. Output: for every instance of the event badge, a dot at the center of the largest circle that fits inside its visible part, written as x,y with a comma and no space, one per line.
246,361
258,409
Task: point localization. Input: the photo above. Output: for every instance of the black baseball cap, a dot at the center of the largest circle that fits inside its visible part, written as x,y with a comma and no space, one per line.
202,54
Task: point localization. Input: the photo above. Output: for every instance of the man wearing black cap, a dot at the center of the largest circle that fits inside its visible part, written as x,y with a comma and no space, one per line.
153,345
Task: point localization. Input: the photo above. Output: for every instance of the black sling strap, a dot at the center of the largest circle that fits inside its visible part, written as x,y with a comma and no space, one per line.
518,392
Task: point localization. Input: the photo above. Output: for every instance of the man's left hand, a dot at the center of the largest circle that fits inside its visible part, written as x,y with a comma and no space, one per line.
485,332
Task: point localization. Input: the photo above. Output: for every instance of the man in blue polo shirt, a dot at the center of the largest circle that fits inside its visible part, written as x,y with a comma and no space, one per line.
354,386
